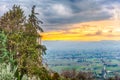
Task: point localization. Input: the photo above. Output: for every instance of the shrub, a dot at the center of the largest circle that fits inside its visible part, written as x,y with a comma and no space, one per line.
6,73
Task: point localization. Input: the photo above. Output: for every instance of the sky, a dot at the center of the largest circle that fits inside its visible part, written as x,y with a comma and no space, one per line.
81,20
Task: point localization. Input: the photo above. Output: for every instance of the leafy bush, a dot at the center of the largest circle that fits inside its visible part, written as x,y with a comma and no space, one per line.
74,75
6,73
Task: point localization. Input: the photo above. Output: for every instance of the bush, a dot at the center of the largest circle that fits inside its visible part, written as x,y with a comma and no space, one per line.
6,73
74,75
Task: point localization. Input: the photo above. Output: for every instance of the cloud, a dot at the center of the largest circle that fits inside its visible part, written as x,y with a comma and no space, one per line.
87,31
97,33
3,9
57,12
61,10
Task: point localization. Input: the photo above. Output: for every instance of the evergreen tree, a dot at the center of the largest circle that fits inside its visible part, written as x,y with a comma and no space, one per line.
34,20
13,20
21,42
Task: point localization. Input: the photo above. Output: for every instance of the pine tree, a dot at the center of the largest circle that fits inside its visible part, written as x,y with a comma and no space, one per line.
34,20
21,42
13,20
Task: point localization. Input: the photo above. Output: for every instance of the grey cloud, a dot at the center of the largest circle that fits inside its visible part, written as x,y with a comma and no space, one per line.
67,11
82,10
95,34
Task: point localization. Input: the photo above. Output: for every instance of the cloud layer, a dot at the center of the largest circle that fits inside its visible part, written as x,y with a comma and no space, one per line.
87,31
56,13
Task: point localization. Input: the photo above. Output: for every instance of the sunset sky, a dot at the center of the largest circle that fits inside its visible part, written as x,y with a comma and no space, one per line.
81,20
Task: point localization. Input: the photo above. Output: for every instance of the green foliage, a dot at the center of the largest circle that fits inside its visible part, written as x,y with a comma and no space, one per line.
74,75
6,73
13,20
55,76
18,43
3,49
34,20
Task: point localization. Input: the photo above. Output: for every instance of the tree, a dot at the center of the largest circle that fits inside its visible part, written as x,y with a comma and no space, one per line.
34,20
13,20
21,42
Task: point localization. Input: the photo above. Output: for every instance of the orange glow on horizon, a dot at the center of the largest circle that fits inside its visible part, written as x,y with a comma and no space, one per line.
87,31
